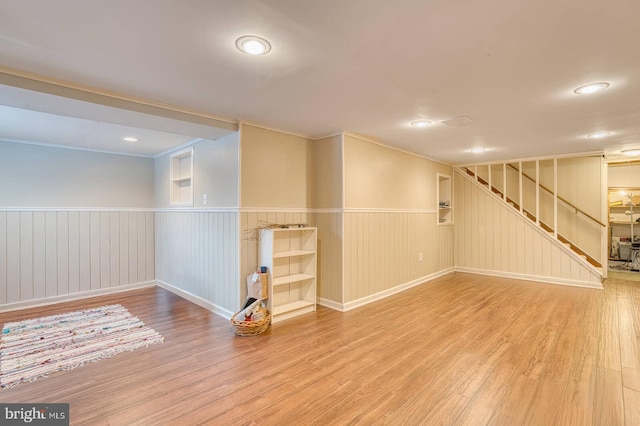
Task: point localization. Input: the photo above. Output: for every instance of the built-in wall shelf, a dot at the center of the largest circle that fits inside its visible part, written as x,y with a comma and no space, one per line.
181,176
444,197
290,257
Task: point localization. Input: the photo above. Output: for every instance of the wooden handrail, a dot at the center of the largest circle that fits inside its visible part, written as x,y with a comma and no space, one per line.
573,206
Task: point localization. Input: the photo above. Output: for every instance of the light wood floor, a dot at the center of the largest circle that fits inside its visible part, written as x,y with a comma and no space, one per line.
462,349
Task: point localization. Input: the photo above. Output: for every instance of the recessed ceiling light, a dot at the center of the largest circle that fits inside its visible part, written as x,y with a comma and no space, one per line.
591,88
478,150
130,139
421,123
599,135
631,152
253,45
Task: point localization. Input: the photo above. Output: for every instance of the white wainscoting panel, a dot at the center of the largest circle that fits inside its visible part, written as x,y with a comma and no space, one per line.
47,254
382,250
330,240
198,253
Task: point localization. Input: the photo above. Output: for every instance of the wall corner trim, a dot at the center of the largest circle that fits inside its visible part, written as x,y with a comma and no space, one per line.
331,304
218,310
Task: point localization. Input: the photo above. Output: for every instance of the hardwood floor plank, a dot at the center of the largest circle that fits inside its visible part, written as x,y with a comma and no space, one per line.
609,346
462,349
629,336
631,406
608,407
631,378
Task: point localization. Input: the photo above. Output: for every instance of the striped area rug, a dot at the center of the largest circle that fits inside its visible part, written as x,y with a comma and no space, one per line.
37,347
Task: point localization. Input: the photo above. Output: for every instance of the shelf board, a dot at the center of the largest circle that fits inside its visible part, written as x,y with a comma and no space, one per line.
444,208
289,279
181,179
292,253
293,306
619,222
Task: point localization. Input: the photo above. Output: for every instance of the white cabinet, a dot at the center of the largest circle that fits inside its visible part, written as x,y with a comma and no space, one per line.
181,175
290,256
445,200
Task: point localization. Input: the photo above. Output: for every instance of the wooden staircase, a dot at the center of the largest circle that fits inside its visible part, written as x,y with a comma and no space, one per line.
531,216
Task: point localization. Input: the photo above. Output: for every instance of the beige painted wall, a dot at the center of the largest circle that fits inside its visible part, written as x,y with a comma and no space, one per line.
382,248
41,176
327,156
579,182
276,168
378,177
215,173
627,176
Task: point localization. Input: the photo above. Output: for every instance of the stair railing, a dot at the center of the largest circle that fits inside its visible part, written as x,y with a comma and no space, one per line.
535,216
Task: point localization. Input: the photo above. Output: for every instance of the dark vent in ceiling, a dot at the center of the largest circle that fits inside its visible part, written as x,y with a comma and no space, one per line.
461,121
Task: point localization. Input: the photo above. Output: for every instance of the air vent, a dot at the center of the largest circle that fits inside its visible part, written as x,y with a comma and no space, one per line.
461,121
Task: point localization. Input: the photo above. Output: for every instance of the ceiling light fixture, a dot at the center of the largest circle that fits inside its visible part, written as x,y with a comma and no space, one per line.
631,152
478,150
587,89
599,135
253,45
130,139
421,123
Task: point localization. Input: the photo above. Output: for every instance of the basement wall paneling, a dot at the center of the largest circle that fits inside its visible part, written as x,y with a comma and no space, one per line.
491,237
197,253
48,254
330,250
382,249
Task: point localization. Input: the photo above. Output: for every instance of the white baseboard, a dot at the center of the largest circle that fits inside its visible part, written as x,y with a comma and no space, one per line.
75,296
218,310
327,303
344,307
526,277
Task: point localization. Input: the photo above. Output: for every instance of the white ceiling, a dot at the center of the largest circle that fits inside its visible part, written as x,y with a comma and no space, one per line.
369,67
35,117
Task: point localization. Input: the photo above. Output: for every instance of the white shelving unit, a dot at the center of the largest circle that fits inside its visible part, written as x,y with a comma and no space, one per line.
290,256
181,175
624,210
444,195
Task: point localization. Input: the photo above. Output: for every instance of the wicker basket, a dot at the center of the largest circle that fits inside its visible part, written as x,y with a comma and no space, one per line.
251,328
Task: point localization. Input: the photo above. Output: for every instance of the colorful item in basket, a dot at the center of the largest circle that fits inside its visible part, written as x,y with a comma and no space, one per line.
247,312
